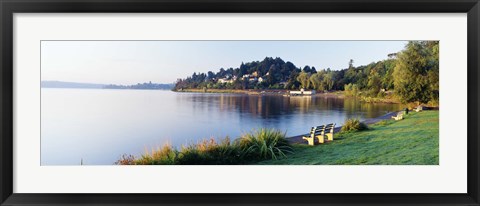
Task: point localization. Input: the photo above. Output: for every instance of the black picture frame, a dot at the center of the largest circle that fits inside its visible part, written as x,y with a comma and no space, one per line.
9,7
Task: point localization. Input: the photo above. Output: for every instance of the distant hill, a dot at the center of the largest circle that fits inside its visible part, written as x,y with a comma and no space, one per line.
149,85
60,84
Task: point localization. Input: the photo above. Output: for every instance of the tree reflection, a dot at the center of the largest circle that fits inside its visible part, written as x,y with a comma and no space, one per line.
273,106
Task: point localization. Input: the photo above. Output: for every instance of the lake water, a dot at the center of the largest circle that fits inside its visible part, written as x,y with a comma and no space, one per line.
97,126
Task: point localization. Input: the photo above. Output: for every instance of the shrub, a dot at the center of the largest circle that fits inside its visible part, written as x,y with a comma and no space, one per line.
165,155
351,90
353,124
381,94
258,145
190,155
226,152
264,144
126,160
209,152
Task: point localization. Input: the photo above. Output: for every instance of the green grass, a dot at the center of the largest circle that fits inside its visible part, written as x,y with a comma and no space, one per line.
411,141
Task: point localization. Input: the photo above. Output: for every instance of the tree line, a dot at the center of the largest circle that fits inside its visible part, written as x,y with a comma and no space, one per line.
412,73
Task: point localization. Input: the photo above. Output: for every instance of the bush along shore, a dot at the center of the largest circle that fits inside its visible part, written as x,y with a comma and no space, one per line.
411,141
262,144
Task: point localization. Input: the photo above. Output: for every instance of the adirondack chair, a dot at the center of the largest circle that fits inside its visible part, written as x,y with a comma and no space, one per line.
329,131
399,116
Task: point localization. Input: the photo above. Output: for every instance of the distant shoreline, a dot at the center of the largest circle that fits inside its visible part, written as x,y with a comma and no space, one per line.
100,88
284,92
78,85
278,92
338,94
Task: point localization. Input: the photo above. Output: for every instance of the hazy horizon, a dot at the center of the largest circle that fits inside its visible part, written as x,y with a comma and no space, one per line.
132,62
50,81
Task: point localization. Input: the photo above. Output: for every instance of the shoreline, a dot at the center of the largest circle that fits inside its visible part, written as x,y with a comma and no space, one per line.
282,92
285,93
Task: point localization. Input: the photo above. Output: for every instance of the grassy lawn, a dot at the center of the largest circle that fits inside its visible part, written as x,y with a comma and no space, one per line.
411,141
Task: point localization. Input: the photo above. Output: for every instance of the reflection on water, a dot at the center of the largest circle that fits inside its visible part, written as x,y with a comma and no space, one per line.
273,106
97,126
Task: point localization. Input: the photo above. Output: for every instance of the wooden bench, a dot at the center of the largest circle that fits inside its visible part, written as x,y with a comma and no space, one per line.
311,138
329,131
419,108
315,132
399,116
320,134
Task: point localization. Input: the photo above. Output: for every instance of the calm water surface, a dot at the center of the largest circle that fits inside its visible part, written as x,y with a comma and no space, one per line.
99,125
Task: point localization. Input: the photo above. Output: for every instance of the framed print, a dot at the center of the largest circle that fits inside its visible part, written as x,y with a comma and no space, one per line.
239,102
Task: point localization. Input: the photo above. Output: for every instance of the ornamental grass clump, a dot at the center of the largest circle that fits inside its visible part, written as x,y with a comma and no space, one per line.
251,147
353,125
126,160
165,155
264,144
210,152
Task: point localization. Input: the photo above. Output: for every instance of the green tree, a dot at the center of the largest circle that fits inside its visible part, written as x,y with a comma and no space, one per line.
387,79
433,73
350,64
304,79
350,73
316,81
416,72
374,83
328,81
351,90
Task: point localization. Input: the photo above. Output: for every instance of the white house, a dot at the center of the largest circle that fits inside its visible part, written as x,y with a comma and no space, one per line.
224,80
303,92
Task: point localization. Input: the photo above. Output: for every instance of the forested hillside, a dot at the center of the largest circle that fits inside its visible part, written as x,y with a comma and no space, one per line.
412,73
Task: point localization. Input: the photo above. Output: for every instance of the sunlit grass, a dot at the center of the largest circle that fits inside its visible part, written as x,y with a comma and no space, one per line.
411,141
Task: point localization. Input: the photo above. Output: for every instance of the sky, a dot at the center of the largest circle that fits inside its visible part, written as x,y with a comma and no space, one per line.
131,62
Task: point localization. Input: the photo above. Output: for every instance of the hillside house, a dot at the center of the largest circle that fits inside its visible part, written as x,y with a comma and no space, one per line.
303,92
